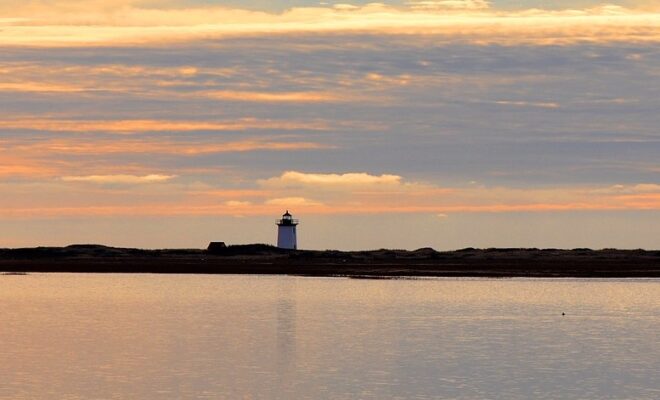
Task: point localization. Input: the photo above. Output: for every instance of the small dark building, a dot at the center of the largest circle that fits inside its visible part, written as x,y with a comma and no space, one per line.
216,247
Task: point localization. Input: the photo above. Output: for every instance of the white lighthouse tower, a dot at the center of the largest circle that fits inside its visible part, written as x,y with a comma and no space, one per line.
286,232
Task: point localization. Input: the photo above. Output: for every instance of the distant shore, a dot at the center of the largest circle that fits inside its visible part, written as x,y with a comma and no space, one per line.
264,259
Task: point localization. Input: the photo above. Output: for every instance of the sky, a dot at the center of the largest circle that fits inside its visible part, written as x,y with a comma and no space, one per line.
404,124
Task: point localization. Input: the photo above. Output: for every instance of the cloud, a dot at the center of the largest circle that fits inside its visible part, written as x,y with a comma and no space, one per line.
647,187
163,125
345,7
237,203
528,104
119,179
277,97
42,87
131,145
632,189
316,179
417,199
365,193
84,24
448,4
292,202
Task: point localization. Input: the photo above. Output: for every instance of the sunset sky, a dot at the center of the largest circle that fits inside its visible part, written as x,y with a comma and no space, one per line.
404,124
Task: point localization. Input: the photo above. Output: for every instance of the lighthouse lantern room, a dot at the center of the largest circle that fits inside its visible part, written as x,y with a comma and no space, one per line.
286,232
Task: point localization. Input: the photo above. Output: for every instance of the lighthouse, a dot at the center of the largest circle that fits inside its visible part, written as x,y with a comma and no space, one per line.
286,232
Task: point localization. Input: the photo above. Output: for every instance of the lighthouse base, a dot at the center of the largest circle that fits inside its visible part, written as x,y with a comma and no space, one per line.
286,237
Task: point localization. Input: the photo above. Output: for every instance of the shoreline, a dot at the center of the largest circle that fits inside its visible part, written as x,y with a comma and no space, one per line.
374,264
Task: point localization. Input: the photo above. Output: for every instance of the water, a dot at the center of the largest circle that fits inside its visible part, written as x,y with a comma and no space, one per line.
73,336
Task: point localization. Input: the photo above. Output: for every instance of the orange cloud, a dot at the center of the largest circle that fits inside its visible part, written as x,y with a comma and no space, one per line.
292,202
230,193
237,203
89,23
24,169
642,201
39,87
316,179
366,193
527,104
41,77
15,166
157,88
346,197
276,97
153,146
119,179
307,207
448,4
140,126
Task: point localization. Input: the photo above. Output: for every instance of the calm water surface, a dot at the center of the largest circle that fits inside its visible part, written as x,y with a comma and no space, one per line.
69,336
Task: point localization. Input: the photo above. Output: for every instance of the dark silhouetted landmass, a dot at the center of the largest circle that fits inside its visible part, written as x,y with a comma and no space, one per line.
265,259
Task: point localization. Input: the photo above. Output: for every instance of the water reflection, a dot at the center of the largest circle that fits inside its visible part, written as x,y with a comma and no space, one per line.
286,338
232,337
